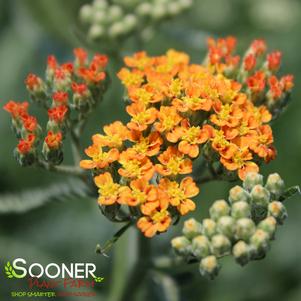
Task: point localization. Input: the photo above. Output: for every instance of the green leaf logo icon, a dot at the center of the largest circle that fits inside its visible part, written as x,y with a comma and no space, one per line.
99,279
9,271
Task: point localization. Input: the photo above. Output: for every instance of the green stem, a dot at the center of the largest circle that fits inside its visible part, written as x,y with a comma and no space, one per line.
139,270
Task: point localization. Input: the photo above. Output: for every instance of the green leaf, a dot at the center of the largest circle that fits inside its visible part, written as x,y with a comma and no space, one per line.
37,197
290,192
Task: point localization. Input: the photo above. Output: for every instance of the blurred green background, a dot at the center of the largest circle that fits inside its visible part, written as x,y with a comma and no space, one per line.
68,231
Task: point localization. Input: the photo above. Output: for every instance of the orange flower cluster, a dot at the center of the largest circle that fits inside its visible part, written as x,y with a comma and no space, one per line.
179,111
70,86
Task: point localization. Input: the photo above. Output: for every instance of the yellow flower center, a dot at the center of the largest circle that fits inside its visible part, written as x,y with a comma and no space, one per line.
224,113
262,139
144,96
140,196
132,167
177,194
176,87
142,146
191,135
141,117
168,123
109,189
174,164
159,216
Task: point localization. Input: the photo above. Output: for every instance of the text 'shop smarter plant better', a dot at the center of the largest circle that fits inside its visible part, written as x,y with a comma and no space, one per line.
118,19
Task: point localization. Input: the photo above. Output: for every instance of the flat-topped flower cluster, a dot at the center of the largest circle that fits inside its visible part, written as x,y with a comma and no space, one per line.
178,112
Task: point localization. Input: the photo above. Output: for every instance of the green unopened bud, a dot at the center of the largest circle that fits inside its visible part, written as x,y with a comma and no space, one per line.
200,246
192,228
226,226
158,11
99,17
181,245
129,22
209,267
238,194
117,29
100,4
241,252
240,210
252,179
96,32
275,184
260,196
144,9
268,225
185,3
115,13
173,8
85,14
277,210
221,245
218,209
209,227
260,241
245,228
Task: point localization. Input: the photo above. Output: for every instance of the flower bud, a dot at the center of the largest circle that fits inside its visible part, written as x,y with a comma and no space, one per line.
260,241
181,245
226,226
191,228
218,209
275,184
116,29
245,228
221,245
241,252
252,179
99,17
129,22
173,8
238,194
278,211
185,4
115,13
200,246
260,196
240,210
85,13
144,9
158,11
96,32
209,227
209,267
268,225
100,4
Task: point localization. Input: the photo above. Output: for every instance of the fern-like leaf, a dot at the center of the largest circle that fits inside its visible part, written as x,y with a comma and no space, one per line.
30,199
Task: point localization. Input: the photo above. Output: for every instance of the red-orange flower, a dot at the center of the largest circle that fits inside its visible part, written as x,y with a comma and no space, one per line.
16,109
30,123
54,140
60,98
25,145
58,114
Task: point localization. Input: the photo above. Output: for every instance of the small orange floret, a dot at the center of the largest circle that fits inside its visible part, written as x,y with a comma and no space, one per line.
54,140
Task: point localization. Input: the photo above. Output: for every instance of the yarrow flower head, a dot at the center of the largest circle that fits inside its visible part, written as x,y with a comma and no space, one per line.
179,112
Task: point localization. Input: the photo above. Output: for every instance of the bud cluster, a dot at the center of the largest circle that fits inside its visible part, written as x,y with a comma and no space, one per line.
235,227
257,70
111,20
69,92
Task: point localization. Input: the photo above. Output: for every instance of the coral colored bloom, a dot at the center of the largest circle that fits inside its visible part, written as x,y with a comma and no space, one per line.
54,140
52,63
109,192
158,221
141,193
235,158
16,109
134,166
141,117
258,47
249,62
168,119
80,89
146,146
58,114
179,194
33,82
287,82
115,132
60,98
100,159
173,163
80,56
275,87
30,123
190,137
274,60
25,145
256,82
